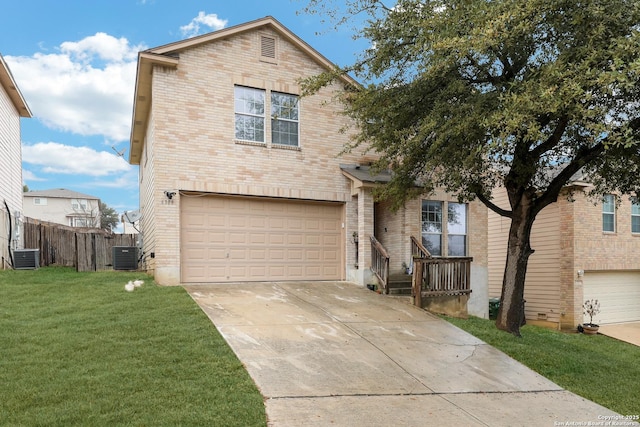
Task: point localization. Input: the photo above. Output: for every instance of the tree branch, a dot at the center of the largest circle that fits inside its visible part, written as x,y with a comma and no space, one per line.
555,186
553,139
488,203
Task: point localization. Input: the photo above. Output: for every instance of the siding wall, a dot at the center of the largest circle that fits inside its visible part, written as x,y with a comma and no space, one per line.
10,168
58,209
542,286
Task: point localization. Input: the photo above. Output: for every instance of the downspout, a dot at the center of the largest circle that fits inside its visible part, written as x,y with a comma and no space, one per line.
10,234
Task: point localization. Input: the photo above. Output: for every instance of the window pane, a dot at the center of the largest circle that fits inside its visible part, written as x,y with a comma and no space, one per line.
249,128
635,224
284,119
457,218
608,213
635,206
284,133
433,243
608,203
431,217
457,245
249,109
608,222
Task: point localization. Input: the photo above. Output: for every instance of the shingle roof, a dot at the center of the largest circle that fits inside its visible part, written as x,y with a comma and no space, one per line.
61,193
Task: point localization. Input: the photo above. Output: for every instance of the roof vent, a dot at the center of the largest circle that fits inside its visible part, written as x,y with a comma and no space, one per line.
268,47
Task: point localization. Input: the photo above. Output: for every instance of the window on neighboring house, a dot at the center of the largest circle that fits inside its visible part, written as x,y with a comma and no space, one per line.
79,204
249,110
444,219
609,213
635,215
284,119
40,201
79,222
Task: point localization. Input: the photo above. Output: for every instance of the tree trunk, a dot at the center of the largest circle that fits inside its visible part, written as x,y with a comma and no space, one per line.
511,311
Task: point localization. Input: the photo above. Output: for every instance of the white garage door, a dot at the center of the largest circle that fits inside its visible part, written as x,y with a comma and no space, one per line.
618,293
229,239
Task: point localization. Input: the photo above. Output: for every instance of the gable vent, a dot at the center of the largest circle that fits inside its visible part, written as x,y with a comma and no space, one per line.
268,47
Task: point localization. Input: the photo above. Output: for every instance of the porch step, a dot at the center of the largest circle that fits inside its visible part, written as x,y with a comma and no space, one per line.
400,284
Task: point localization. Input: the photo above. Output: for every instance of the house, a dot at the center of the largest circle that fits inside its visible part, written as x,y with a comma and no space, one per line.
584,249
63,206
241,178
12,108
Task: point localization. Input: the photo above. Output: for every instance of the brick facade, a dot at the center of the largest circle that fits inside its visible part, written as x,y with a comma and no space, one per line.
190,147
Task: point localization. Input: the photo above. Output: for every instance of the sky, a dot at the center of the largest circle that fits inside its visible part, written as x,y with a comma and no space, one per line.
75,60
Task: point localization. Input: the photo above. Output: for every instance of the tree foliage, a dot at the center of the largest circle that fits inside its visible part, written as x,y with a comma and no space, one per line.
469,95
109,218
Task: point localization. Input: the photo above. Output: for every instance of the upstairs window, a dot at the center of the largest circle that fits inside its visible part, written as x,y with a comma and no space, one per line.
609,213
249,111
635,215
284,119
79,204
40,201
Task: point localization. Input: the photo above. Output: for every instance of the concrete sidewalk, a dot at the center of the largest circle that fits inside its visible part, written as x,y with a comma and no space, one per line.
333,353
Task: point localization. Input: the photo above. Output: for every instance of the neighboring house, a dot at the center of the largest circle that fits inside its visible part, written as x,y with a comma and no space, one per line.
63,206
241,178
584,249
12,108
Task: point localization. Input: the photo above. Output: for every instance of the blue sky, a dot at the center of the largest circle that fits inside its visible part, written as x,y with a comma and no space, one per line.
75,60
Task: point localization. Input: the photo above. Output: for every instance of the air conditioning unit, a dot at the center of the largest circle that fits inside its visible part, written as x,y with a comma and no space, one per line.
125,258
26,259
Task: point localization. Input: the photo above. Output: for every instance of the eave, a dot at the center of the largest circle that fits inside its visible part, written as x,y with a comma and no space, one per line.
142,99
10,86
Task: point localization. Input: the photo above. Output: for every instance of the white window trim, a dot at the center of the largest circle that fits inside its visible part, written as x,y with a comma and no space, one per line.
635,201
612,213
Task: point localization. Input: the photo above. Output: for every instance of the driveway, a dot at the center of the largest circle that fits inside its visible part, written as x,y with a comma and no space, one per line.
629,332
334,353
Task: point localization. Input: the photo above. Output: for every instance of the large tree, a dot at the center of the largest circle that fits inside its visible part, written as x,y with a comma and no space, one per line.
470,95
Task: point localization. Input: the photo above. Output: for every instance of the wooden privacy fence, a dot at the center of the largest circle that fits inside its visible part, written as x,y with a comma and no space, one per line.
85,249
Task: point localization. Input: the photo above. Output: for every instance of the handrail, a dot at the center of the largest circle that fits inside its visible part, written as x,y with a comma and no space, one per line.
418,249
440,276
380,263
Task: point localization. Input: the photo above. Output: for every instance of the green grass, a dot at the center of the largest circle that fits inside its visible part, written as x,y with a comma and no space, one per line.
77,349
598,368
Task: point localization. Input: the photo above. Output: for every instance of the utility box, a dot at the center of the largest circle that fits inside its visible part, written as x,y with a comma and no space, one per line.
26,259
125,258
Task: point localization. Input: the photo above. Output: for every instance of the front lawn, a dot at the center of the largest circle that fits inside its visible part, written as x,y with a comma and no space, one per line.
77,349
598,368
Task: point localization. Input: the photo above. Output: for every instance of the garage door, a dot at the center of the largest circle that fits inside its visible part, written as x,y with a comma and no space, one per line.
618,293
229,239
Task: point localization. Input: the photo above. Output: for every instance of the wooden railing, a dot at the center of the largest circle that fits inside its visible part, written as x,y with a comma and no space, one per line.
380,263
440,276
418,250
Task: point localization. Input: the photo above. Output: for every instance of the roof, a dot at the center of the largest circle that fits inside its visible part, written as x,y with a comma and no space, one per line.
60,193
168,56
10,86
364,174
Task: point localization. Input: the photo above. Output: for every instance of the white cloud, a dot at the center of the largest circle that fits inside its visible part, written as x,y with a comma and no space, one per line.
53,157
211,21
87,88
30,176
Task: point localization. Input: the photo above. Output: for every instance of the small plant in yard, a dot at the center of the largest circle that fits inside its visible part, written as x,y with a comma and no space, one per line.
591,307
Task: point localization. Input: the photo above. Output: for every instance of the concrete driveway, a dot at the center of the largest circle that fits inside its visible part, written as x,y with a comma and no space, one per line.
333,353
629,332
